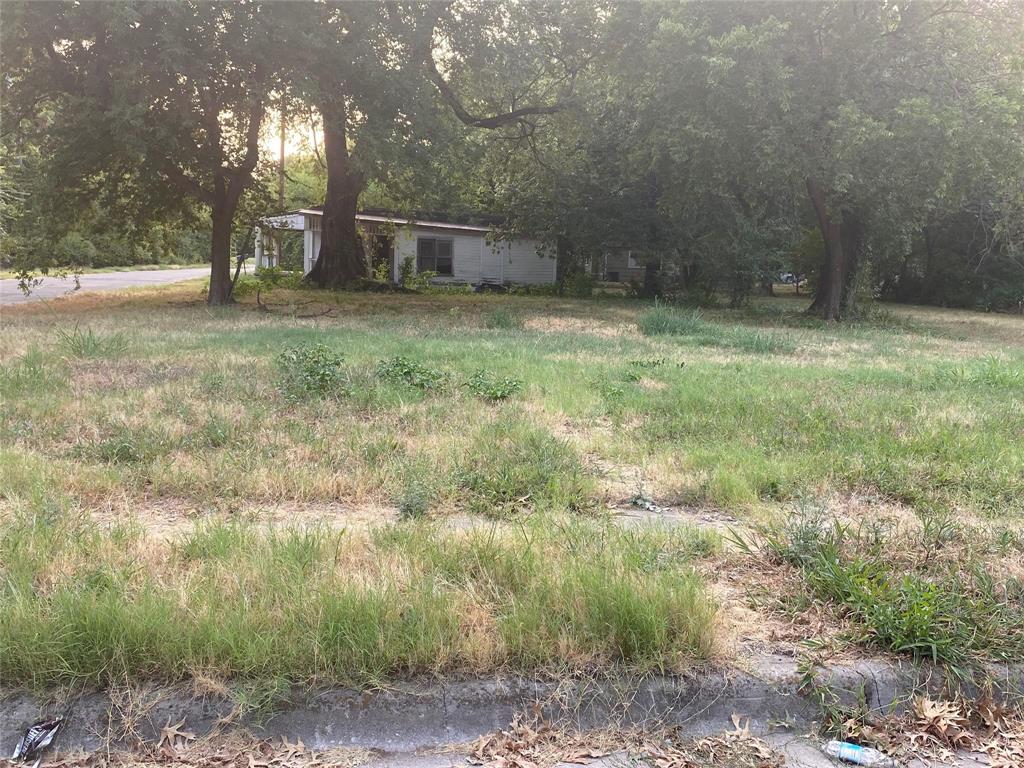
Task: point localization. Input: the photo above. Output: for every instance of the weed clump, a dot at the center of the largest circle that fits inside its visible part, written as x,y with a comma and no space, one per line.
311,370
31,374
417,492
503,320
79,343
662,320
124,444
402,370
491,387
512,466
928,594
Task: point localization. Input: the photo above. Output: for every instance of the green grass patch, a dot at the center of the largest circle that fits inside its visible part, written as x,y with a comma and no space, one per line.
502,319
81,606
662,320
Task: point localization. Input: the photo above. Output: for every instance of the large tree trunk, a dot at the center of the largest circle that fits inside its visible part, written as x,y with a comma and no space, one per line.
228,186
341,259
925,294
222,216
564,261
843,240
651,288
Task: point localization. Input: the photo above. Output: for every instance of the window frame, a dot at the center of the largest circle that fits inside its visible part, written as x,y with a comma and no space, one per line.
435,257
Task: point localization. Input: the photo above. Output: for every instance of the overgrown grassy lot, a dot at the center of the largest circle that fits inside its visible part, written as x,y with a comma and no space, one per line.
432,483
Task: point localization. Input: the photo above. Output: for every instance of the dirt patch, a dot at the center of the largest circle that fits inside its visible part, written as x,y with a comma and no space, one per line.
98,375
634,511
574,325
754,617
169,517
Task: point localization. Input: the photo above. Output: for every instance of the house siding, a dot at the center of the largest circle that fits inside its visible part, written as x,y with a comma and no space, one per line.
475,260
526,265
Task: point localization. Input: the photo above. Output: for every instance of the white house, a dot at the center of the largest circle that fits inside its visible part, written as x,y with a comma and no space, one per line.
458,253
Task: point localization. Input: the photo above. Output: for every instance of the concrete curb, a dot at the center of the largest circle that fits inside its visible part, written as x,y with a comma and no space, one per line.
421,714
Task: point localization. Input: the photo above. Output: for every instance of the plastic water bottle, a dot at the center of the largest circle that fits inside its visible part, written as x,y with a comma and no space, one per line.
854,753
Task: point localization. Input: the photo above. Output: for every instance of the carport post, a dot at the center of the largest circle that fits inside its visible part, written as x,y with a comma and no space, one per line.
258,248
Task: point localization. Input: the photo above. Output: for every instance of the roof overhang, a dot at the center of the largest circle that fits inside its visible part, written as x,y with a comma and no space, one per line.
295,220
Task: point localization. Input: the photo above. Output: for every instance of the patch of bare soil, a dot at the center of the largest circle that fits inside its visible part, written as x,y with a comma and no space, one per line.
638,510
169,517
102,375
576,325
756,615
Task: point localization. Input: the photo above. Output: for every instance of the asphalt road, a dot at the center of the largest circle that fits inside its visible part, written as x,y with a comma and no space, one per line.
56,288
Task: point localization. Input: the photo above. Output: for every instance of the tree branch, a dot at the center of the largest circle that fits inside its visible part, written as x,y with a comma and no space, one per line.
476,121
184,182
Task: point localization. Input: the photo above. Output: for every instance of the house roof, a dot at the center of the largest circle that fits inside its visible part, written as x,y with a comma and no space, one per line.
425,219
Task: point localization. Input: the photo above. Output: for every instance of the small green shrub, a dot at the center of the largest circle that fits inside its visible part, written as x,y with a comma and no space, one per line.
266,279
417,494
74,249
87,343
491,387
611,391
311,370
410,278
403,370
535,289
580,286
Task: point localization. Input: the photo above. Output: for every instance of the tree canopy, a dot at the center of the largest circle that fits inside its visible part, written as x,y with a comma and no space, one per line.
876,146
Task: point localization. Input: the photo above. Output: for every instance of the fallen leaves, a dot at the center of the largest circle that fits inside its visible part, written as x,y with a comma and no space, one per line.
181,748
532,743
173,739
938,730
536,743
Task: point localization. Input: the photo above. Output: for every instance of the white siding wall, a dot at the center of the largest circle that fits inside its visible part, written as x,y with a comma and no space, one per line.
525,265
466,252
493,262
476,260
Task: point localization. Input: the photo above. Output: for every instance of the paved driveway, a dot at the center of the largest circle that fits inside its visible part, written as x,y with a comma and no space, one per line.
55,287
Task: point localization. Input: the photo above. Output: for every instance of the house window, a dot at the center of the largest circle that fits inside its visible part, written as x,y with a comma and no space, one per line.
631,260
434,254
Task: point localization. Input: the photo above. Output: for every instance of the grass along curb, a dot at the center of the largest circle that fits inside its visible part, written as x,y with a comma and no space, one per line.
424,713
81,605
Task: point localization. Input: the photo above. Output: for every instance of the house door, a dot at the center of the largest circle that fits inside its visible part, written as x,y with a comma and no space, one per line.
492,256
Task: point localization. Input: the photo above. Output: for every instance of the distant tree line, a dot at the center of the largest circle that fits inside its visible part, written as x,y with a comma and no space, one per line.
875,147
